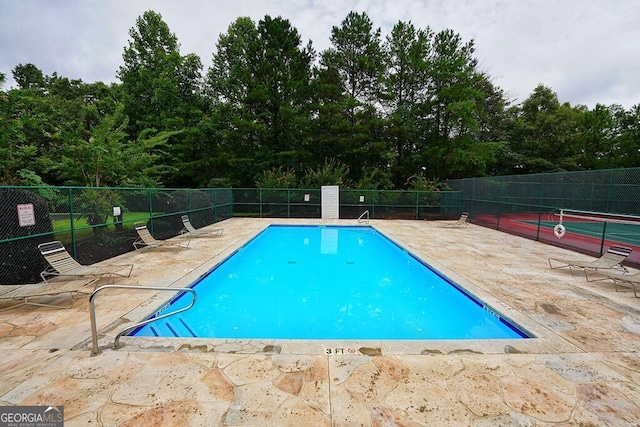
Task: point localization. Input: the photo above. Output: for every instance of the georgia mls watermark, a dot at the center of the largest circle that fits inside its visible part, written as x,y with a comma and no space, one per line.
31,416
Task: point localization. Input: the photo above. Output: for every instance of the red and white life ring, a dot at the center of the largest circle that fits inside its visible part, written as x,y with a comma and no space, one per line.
559,231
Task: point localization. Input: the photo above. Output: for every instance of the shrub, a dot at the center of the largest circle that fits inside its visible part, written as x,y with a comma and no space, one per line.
277,178
331,173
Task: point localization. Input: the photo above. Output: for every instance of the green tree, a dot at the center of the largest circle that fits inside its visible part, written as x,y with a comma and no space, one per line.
282,94
69,132
451,114
406,80
350,77
14,153
627,150
260,83
151,61
162,92
493,117
100,159
31,121
28,76
357,56
229,84
597,134
544,134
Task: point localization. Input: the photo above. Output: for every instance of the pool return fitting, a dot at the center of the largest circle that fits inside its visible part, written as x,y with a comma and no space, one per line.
116,344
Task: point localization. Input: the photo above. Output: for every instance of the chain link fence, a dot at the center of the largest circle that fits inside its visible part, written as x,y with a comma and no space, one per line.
306,203
94,224
528,205
98,223
276,202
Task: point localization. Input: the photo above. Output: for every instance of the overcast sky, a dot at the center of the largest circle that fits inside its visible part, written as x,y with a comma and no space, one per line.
587,51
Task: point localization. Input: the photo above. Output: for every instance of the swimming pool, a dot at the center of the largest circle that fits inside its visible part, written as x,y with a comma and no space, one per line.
328,282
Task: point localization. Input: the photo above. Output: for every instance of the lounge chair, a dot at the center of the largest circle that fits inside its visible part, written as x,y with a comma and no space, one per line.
461,222
611,259
189,229
62,264
145,239
620,280
24,294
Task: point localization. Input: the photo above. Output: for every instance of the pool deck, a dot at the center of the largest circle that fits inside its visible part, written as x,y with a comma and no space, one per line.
583,367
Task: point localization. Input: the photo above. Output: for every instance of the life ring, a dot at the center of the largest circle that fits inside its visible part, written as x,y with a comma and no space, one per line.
559,231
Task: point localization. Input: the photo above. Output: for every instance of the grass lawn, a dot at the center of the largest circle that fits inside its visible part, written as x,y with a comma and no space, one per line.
82,229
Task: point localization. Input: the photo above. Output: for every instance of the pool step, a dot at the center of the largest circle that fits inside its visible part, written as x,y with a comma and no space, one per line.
171,328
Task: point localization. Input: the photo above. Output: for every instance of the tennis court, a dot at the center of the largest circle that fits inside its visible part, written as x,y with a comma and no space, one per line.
590,236
622,233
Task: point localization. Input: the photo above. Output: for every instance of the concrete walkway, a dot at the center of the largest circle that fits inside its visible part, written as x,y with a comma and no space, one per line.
583,367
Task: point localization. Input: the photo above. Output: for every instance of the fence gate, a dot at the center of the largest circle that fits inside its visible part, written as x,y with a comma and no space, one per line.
330,202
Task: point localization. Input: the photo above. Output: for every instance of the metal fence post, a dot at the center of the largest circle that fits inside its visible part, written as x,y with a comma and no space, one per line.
604,234
542,191
71,221
373,202
609,190
150,210
499,207
215,205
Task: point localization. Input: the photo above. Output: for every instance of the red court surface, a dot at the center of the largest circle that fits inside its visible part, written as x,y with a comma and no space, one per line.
526,225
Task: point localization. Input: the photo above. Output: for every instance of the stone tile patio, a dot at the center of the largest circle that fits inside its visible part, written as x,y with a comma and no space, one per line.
583,367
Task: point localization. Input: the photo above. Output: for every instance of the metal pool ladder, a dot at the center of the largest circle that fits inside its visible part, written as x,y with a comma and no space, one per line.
364,217
116,344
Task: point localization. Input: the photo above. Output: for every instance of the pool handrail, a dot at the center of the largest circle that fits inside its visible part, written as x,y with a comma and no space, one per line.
116,344
364,214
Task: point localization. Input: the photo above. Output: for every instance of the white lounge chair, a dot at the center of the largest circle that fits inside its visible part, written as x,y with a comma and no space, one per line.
192,231
619,280
145,239
62,264
611,259
24,294
461,222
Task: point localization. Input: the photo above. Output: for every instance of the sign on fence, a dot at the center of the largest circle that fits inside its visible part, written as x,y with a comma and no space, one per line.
26,215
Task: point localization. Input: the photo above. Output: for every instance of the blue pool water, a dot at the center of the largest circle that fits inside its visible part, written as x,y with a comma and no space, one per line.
328,282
